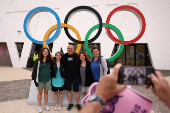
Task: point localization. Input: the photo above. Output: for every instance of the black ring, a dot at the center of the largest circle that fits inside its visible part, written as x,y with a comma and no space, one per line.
86,8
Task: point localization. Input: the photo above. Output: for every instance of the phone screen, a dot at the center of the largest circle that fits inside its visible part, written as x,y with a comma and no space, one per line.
135,75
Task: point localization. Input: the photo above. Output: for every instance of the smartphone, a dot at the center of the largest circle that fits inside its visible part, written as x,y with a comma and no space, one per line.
135,75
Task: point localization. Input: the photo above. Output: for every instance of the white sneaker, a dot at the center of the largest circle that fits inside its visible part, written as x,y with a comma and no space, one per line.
47,108
56,107
39,109
59,107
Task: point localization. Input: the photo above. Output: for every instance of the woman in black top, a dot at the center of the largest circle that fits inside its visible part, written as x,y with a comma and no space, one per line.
85,72
58,80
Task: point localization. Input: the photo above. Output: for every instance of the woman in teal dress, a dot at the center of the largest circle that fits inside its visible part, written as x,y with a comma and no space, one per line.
58,80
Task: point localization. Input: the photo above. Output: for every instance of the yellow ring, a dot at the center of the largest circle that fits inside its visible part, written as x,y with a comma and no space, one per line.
62,25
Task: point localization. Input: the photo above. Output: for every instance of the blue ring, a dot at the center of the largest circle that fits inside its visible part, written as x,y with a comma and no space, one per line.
29,17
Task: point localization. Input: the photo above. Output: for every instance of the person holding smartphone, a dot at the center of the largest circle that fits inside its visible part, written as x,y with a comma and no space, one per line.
108,87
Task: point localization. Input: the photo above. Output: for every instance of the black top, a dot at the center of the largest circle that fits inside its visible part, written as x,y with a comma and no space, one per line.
55,69
88,74
71,65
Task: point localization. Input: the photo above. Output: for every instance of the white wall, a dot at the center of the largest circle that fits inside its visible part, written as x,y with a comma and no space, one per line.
156,13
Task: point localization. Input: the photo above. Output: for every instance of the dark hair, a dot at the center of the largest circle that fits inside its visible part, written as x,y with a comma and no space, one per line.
86,57
48,59
95,48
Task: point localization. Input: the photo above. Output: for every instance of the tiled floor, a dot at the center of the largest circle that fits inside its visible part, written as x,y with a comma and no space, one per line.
14,89
9,74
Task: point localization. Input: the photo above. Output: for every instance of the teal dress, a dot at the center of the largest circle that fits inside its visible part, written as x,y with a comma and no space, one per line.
58,81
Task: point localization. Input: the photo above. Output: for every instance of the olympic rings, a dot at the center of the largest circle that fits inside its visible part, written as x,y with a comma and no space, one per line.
128,71
29,17
139,16
116,30
58,26
86,8
143,71
50,30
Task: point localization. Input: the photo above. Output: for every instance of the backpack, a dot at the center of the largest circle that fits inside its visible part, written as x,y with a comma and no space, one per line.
108,65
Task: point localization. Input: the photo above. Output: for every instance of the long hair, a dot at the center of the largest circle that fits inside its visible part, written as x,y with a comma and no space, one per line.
86,57
48,59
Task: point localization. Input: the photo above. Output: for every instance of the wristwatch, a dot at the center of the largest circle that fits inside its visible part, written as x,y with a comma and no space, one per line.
95,98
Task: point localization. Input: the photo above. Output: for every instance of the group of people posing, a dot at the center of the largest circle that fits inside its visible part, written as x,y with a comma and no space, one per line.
63,71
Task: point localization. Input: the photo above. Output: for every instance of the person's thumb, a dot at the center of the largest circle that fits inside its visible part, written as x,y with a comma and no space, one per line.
116,70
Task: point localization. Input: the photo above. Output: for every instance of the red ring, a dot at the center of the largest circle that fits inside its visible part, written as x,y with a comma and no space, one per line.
131,8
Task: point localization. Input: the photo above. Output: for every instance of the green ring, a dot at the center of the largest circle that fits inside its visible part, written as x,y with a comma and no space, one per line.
113,28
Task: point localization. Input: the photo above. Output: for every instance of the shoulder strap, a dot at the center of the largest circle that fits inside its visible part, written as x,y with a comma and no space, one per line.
38,70
100,59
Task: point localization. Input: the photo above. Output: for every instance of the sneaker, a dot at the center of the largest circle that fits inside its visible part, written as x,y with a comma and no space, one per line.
56,107
78,107
59,107
70,107
39,109
47,108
